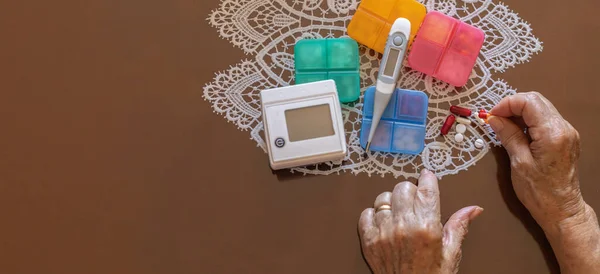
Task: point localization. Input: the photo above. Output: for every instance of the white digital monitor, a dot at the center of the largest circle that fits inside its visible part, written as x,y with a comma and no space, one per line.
303,124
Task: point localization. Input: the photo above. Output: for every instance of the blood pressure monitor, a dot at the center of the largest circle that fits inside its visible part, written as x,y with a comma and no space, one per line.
303,124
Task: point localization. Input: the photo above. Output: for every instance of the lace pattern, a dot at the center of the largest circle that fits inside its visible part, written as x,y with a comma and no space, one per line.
267,30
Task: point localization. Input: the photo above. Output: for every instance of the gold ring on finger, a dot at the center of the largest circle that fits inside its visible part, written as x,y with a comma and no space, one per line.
383,207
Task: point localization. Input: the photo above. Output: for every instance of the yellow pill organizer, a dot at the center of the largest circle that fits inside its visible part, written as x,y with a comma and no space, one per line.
373,21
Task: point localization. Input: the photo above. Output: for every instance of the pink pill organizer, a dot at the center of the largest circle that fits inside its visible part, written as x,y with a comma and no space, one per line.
446,48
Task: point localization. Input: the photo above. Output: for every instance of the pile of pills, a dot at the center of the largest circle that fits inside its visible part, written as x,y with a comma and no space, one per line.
459,137
460,115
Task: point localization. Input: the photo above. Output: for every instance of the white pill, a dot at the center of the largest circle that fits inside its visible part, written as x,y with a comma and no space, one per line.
481,121
459,138
463,121
479,143
460,128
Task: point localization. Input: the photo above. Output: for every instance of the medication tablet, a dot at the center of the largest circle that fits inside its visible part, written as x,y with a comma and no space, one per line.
460,128
448,124
459,138
461,111
481,121
463,121
479,143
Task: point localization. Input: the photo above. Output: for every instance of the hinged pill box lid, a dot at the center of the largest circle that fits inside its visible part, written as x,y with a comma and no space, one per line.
446,48
402,126
373,20
334,58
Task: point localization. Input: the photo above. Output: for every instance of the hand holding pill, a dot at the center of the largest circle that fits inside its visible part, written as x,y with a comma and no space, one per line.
544,174
548,162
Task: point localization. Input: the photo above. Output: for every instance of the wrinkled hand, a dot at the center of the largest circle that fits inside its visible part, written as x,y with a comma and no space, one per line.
409,237
543,164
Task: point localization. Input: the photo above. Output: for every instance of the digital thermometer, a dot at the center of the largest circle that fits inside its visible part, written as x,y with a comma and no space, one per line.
389,71
303,124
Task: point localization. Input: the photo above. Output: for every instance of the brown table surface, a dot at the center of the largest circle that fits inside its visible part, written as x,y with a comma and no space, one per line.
111,161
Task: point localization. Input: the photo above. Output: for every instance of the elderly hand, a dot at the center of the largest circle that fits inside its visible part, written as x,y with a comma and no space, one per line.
544,170
544,176
404,234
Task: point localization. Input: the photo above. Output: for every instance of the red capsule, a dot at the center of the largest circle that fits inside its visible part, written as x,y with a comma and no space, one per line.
448,124
483,114
460,111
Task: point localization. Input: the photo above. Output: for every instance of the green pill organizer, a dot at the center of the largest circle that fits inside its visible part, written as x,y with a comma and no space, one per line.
334,58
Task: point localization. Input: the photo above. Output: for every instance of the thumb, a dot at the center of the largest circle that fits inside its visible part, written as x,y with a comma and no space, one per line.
512,136
456,229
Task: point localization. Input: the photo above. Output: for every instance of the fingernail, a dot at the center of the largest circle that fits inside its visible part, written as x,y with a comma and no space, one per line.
425,171
496,123
475,213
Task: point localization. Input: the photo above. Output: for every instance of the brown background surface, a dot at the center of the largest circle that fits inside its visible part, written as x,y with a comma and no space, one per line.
111,162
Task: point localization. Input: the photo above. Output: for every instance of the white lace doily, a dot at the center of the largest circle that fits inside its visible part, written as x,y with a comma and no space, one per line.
267,30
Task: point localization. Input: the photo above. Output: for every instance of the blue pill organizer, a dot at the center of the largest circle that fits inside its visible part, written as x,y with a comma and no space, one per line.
402,126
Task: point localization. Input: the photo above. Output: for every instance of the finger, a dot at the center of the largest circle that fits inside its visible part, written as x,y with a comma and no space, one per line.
366,225
383,216
457,227
368,233
427,200
403,198
512,138
546,101
549,104
519,122
530,106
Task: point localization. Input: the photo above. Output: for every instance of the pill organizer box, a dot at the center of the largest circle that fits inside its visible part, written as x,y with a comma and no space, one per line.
373,20
323,59
402,126
446,48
